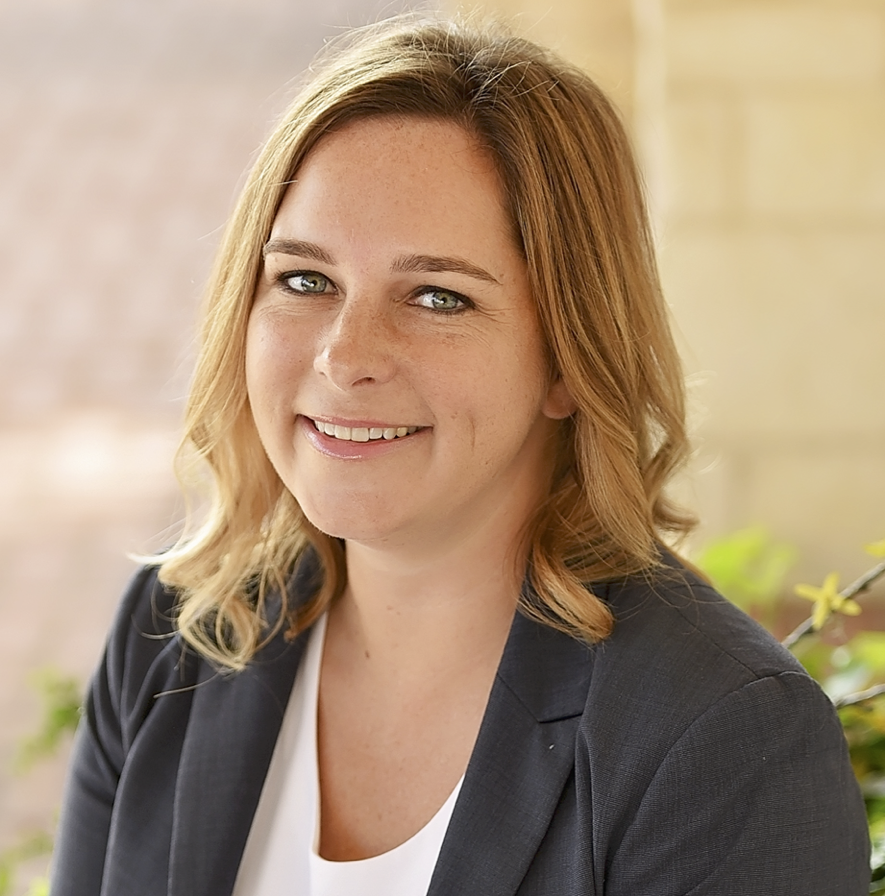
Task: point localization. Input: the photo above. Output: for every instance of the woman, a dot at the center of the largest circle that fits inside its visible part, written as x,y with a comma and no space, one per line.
428,639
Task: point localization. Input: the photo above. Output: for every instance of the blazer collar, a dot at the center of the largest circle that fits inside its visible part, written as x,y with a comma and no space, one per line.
523,757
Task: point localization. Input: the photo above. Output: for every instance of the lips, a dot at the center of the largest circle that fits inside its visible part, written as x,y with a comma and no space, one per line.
363,433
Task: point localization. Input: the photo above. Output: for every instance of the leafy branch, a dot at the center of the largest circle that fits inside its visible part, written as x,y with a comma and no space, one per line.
829,601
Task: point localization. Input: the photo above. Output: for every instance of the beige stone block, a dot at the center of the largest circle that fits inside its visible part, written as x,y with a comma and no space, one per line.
785,328
776,42
829,504
707,487
816,154
701,156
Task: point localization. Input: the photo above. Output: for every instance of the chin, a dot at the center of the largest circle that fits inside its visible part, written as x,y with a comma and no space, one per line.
349,524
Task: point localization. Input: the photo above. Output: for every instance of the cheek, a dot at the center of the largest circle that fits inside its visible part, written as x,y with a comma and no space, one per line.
257,369
272,361
502,391
524,371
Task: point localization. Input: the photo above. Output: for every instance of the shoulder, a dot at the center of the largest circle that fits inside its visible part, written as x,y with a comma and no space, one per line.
687,620
698,719
679,648
144,624
144,657
146,607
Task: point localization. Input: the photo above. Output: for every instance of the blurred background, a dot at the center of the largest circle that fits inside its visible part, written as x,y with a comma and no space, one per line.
126,127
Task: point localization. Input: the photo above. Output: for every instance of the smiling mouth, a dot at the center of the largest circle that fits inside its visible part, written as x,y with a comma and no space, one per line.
363,433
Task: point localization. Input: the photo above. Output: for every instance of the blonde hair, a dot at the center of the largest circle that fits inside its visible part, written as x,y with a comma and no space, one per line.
578,212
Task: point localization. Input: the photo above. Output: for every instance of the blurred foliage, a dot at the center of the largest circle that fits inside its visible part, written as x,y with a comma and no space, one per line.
750,568
31,847
61,712
61,698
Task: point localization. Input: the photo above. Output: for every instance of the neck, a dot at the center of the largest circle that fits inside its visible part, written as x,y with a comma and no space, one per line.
427,612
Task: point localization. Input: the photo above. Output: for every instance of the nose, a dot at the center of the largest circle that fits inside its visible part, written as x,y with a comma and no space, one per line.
356,348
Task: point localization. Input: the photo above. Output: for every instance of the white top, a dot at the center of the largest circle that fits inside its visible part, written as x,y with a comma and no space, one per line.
281,852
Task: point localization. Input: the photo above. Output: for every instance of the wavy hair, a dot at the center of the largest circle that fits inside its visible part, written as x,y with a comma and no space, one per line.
577,208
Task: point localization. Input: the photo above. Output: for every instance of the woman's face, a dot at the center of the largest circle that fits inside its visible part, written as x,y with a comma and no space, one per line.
394,363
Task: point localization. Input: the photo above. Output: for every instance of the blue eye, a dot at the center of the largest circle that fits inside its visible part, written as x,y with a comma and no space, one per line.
308,282
443,300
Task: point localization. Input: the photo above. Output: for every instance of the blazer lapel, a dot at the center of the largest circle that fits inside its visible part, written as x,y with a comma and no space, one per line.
523,757
233,728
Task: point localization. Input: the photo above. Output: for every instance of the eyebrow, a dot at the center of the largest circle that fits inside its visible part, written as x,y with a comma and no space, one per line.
438,264
301,248
405,264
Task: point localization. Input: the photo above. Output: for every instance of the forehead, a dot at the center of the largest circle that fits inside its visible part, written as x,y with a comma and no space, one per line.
420,174
376,139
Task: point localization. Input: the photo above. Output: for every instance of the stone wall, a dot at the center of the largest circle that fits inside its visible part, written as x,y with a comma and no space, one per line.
775,240
762,129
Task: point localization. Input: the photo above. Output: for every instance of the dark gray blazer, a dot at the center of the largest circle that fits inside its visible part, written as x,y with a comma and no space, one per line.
687,754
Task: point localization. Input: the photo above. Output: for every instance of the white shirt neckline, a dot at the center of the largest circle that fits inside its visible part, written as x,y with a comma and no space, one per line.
281,852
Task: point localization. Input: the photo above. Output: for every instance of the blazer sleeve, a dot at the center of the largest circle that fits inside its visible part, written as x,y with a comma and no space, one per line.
119,697
756,796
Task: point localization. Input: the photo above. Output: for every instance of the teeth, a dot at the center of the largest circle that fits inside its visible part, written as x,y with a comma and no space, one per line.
363,433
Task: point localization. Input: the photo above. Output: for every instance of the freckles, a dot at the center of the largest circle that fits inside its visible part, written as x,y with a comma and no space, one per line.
274,348
268,329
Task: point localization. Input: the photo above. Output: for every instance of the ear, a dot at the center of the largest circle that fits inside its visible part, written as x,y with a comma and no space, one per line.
559,403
